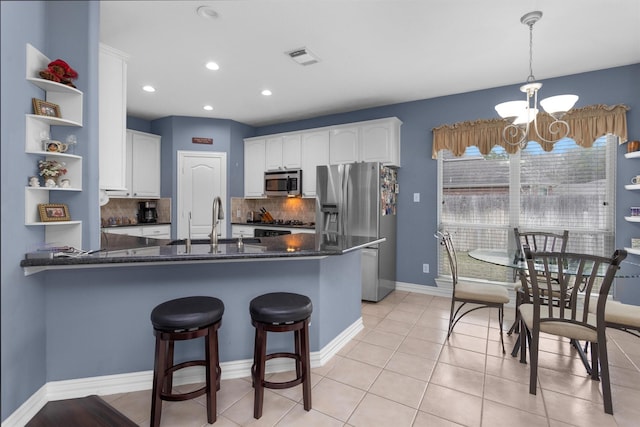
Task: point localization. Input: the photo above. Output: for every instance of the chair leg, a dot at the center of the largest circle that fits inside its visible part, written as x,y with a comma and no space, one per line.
158,381
168,379
261,355
524,334
604,369
451,315
500,321
306,366
533,356
515,327
211,359
595,362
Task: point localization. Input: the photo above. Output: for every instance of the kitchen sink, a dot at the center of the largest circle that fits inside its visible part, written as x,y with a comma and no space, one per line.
221,241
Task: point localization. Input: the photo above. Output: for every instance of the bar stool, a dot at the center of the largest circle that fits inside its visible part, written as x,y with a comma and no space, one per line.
178,320
281,312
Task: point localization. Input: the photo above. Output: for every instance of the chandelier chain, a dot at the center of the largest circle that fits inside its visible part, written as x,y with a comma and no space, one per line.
531,78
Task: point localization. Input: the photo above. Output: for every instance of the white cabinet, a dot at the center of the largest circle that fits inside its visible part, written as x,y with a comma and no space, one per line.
69,100
282,152
380,141
315,152
242,230
371,141
112,110
254,163
344,145
142,167
145,164
162,231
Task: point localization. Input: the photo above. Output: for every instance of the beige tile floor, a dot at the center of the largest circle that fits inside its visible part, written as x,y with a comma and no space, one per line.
400,371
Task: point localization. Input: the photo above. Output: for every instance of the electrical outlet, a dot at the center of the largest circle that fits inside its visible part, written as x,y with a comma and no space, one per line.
425,268
416,197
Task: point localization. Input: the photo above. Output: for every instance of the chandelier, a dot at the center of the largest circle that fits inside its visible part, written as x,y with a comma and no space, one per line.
521,114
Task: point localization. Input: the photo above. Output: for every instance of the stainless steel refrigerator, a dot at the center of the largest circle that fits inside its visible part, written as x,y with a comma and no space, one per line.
360,199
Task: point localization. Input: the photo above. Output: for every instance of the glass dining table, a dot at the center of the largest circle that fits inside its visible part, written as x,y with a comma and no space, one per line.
513,259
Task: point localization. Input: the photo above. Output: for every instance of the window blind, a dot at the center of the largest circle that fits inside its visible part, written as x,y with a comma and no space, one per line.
483,197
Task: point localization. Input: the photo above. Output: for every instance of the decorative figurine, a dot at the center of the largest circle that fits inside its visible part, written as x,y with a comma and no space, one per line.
65,183
34,181
50,183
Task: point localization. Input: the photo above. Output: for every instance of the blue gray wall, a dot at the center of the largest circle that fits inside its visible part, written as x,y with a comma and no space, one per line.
30,304
24,334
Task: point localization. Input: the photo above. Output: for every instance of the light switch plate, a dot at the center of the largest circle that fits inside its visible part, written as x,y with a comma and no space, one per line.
416,197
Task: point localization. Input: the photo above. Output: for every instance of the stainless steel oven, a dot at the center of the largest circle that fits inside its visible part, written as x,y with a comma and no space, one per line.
283,183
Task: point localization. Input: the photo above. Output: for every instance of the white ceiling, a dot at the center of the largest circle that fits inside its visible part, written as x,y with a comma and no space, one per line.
372,52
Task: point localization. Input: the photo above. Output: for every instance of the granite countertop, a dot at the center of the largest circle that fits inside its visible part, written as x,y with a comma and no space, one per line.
122,249
138,224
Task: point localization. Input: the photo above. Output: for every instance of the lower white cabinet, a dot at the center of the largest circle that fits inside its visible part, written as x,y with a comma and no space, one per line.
162,231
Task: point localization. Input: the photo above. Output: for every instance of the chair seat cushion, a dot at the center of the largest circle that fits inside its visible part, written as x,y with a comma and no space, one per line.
558,327
280,308
187,313
621,314
482,292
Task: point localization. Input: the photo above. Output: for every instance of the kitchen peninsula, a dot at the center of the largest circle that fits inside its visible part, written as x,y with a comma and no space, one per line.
101,333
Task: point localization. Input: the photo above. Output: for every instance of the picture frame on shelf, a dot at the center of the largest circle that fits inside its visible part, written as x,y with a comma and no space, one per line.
52,212
44,108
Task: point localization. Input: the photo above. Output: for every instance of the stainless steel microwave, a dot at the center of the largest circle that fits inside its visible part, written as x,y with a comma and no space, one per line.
283,183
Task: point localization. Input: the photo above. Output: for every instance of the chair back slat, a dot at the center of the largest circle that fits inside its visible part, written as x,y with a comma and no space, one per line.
445,240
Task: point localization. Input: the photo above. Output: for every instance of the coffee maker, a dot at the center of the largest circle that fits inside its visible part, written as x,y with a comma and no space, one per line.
147,212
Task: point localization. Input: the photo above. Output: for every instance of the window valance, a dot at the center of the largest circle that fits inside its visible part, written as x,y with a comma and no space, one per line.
586,125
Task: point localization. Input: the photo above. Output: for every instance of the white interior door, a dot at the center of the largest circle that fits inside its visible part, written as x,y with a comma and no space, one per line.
201,177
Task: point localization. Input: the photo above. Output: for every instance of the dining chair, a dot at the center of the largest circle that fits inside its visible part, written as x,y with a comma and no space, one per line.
477,295
538,241
583,280
625,317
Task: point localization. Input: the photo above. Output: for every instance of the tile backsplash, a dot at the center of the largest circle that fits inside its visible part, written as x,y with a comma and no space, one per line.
125,211
284,208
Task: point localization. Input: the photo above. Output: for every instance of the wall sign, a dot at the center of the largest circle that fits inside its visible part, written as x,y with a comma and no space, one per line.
202,140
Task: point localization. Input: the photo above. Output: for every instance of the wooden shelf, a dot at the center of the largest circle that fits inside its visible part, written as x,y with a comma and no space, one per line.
632,155
632,187
633,251
54,223
632,218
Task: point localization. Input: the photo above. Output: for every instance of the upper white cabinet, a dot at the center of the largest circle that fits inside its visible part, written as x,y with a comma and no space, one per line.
112,111
282,152
380,141
369,141
37,128
344,145
315,152
142,166
254,167
372,141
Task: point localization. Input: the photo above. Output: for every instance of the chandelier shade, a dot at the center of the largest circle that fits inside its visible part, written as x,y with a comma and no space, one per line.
522,115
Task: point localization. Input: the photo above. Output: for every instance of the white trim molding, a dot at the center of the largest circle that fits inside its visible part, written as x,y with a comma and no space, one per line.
136,381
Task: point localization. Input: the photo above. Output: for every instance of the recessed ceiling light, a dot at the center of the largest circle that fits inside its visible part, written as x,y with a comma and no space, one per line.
266,92
207,12
212,66
148,88
208,107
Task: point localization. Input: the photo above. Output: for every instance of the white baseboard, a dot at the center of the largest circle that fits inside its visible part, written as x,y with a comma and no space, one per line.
440,290
136,381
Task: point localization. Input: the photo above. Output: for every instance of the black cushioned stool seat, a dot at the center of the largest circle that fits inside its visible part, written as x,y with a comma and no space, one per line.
178,320
281,312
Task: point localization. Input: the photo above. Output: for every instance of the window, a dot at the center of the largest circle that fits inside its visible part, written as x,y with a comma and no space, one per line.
484,197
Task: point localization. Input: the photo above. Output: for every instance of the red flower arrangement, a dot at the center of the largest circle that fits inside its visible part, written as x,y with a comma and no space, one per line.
60,72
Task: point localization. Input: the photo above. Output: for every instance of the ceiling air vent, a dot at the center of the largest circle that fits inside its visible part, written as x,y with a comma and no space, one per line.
303,56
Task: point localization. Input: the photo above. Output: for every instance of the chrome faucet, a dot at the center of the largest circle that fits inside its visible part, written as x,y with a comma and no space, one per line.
217,215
